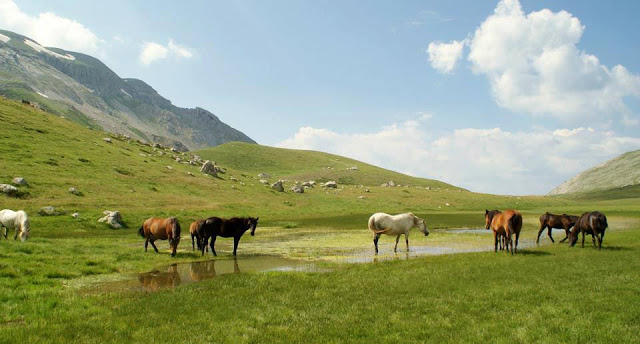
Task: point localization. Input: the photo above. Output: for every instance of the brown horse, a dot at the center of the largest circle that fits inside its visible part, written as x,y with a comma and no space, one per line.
507,223
193,230
551,221
226,228
593,223
157,228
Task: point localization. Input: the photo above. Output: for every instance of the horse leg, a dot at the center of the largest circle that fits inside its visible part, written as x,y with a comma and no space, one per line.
582,238
549,233
495,239
212,245
15,236
146,243
5,231
395,248
154,245
542,227
566,234
203,244
517,239
193,244
376,237
406,239
236,240
593,238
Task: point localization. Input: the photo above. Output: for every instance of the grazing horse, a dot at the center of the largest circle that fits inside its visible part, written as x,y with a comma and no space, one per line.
381,223
17,220
226,228
593,223
193,230
507,223
157,228
551,221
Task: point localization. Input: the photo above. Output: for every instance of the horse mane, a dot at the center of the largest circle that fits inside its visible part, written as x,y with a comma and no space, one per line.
141,231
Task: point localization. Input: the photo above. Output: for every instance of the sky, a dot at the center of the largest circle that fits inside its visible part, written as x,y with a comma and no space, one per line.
503,97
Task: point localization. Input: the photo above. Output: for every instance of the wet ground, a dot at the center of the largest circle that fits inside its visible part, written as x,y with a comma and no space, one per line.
262,260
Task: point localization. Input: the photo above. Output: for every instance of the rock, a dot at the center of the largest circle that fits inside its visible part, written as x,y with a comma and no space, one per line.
75,215
331,184
428,188
391,183
297,188
74,191
264,175
106,139
367,190
233,179
8,189
353,168
360,197
169,168
264,181
48,211
19,181
112,218
278,186
157,145
447,204
191,174
209,168
174,150
308,184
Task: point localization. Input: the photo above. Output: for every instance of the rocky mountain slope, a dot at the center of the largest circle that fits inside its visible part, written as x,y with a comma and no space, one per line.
82,88
622,171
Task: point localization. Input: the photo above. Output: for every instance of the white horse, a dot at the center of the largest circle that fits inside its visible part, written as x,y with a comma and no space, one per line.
381,223
17,220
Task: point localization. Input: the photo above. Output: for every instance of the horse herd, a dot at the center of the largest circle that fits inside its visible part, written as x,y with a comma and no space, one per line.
505,225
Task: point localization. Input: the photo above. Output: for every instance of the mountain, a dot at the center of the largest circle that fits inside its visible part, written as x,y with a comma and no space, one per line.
82,88
620,172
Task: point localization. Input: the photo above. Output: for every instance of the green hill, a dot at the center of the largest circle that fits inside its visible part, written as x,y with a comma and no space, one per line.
620,172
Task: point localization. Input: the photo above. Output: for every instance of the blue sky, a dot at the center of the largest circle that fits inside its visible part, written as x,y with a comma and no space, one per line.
355,78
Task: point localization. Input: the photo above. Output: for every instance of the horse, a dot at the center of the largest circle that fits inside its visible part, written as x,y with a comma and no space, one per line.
381,223
551,221
156,228
593,223
507,223
226,228
193,230
17,220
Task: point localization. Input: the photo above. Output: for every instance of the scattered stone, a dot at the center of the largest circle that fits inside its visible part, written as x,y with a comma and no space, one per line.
174,150
264,181
191,174
112,218
233,179
157,145
48,211
19,181
9,190
242,183
210,168
428,188
447,204
360,197
169,168
367,190
106,139
391,183
263,175
331,184
74,191
75,215
278,186
309,184
353,168
297,188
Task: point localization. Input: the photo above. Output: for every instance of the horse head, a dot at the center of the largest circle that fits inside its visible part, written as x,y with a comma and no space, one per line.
488,217
253,223
422,225
174,240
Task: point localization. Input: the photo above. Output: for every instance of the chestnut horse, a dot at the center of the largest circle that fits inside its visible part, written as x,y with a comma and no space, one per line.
193,230
226,228
507,223
593,223
551,221
157,228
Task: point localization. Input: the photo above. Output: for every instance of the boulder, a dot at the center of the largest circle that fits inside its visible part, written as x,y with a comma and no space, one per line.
391,183
74,191
48,211
367,190
297,188
75,215
331,184
209,168
278,186
308,184
264,181
19,181
106,139
112,218
353,168
263,175
9,190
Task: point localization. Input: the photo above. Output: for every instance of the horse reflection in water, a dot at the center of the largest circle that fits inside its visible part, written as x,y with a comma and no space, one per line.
156,280
204,270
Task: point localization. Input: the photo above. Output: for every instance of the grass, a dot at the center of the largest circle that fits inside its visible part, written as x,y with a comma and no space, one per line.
546,294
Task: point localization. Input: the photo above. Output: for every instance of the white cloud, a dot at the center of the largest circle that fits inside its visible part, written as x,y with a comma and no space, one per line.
49,29
534,65
483,160
152,51
444,56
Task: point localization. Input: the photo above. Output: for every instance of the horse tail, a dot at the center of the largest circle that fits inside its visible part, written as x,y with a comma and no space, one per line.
515,222
372,226
141,231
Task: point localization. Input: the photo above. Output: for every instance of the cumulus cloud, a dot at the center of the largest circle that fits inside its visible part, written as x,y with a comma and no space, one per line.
49,29
534,65
483,160
444,56
152,51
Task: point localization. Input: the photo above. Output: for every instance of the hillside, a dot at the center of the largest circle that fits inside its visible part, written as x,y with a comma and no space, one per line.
620,172
84,89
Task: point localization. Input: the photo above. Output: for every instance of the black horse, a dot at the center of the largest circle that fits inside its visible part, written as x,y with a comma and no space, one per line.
551,221
593,223
226,228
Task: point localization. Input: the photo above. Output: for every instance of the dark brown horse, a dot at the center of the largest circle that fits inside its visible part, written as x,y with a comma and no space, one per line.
157,228
193,230
507,223
551,221
593,223
226,228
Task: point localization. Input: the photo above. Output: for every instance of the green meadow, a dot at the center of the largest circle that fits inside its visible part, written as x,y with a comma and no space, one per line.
53,287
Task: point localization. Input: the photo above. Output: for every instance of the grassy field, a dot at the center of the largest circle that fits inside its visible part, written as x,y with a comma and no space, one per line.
50,286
